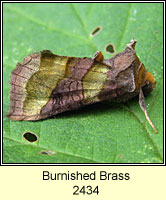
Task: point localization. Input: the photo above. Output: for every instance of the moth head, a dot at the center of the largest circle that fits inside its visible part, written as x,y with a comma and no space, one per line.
149,84
144,80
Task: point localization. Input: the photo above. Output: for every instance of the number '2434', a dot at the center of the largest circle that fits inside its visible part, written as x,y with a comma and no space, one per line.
85,190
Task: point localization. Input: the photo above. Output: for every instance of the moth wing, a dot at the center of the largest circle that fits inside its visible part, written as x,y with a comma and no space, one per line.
32,83
46,84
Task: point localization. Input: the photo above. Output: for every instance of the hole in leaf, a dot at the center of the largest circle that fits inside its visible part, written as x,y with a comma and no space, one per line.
30,137
96,31
47,152
109,48
44,153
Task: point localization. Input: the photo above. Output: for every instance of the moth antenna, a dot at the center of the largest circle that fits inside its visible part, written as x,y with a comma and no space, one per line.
143,107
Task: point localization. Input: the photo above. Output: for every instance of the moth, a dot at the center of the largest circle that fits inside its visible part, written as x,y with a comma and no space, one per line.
45,84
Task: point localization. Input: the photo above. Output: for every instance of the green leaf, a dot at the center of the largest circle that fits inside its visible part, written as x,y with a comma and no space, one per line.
103,132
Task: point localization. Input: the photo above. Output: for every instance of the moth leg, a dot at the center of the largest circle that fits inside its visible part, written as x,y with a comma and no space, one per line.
98,56
143,107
